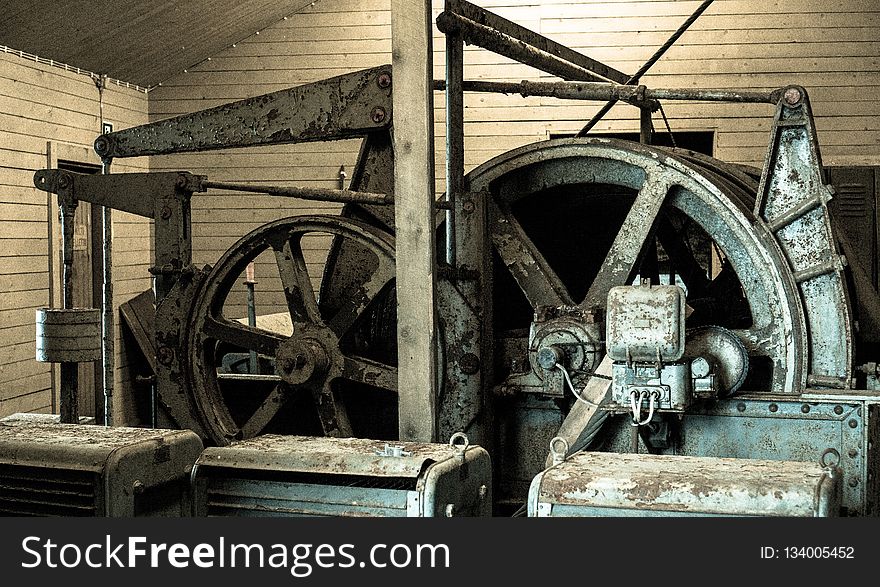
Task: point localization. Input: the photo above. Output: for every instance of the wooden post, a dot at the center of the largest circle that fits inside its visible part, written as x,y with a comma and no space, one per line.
412,52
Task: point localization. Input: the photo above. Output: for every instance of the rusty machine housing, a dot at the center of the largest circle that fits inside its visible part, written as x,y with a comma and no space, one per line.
610,296
53,469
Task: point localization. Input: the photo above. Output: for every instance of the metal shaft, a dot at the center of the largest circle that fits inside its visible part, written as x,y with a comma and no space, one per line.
649,63
69,400
635,95
108,330
316,194
454,135
249,283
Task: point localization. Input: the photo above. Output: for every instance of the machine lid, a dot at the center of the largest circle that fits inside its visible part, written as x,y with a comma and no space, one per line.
329,456
41,443
726,486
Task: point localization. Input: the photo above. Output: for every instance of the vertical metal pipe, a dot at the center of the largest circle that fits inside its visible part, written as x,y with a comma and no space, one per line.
249,283
69,400
454,134
645,126
107,324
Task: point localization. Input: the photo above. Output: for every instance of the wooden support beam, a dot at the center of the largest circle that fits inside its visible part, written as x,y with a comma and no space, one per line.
414,217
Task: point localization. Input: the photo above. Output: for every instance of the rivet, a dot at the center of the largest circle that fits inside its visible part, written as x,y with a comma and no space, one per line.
854,482
838,410
853,453
853,424
741,407
378,114
773,408
805,409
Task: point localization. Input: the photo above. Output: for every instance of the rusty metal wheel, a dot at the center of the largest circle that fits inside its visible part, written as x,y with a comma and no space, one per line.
321,356
571,218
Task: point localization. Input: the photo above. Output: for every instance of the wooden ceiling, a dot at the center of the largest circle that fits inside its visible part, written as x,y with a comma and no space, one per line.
139,41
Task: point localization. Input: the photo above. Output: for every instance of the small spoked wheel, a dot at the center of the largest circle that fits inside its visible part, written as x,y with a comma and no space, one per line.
316,353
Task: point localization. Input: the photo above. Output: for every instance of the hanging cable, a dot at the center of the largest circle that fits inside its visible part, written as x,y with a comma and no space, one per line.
668,128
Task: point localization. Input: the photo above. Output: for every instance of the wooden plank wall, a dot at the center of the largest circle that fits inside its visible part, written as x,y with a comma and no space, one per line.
39,104
831,48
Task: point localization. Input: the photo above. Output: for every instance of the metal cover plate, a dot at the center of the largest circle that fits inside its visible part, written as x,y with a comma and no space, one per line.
72,446
644,321
341,456
689,485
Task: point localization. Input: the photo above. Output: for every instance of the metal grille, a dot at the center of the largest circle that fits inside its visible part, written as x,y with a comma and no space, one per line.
852,199
35,491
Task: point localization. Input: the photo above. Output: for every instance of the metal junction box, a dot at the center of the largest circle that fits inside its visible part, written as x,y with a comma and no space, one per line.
50,469
276,475
592,484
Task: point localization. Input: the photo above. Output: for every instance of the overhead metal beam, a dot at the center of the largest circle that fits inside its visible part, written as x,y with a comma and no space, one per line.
341,107
520,35
414,217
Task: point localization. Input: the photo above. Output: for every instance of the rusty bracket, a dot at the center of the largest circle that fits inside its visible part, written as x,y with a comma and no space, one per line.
341,107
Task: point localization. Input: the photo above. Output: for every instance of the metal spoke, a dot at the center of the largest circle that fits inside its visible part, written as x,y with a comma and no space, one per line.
626,250
267,410
298,290
243,336
539,283
370,372
682,258
332,412
357,301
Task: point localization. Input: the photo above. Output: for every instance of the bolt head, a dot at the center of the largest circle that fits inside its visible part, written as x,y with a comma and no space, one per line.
165,355
102,145
792,96
378,114
469,363
384,79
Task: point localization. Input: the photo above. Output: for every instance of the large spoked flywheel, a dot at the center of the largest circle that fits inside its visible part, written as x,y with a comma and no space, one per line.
571,218
317,370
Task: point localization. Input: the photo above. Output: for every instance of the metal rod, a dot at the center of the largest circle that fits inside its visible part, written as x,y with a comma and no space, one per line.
249,283
646,127
499,23
316,194
68,400
635,95
498,42
108,340
649,63
454,135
